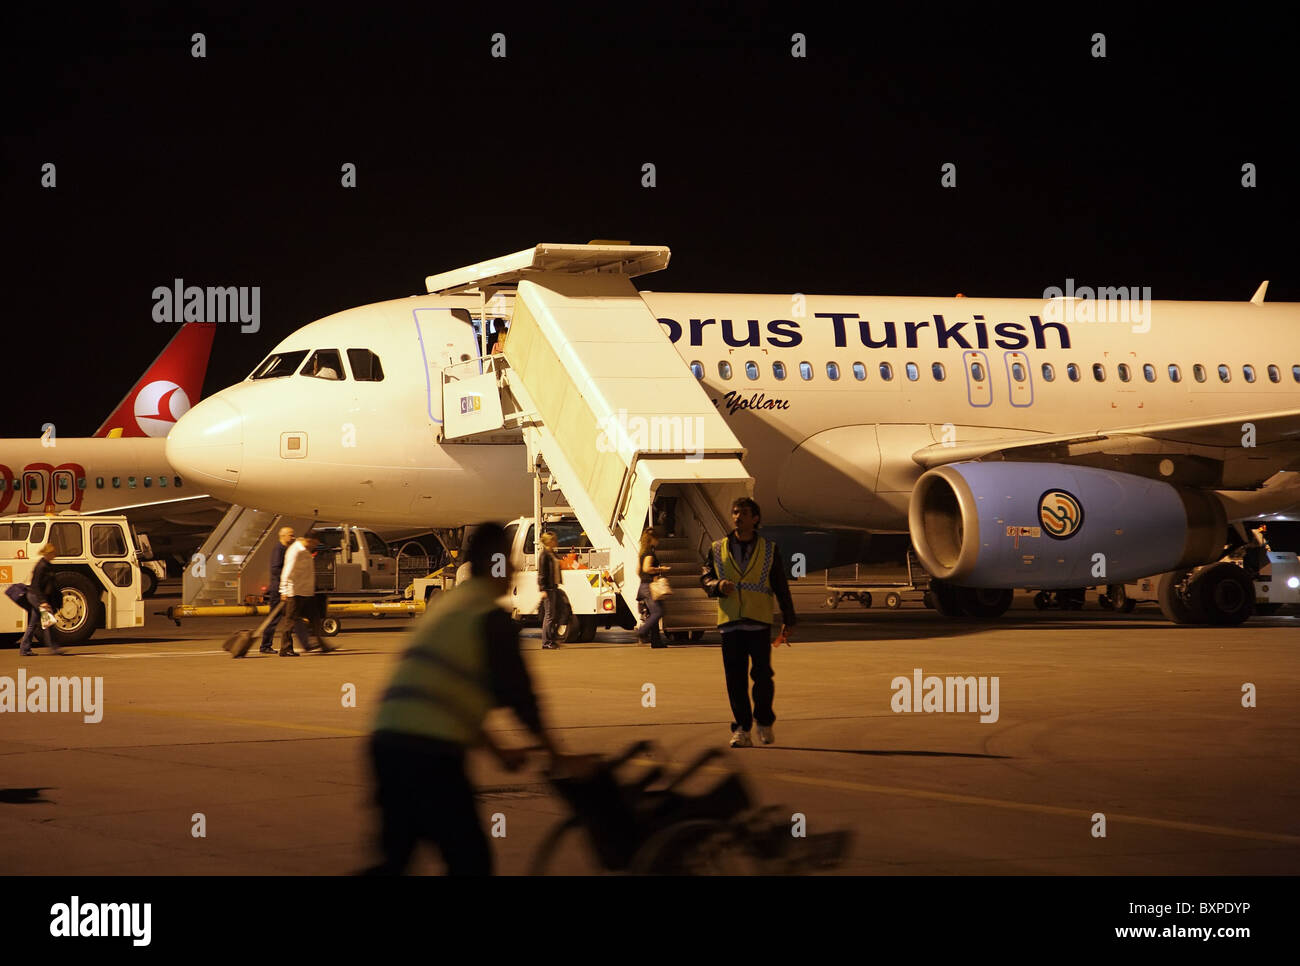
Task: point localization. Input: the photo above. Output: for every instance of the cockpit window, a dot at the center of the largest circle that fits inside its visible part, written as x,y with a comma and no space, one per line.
365,366
280,364
324,364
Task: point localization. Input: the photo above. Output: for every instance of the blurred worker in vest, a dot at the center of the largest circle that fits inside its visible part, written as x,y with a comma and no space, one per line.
548,582
273,587
464,661
744,571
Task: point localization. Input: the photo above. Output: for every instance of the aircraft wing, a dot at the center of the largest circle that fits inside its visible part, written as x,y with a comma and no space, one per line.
191,512
1223,452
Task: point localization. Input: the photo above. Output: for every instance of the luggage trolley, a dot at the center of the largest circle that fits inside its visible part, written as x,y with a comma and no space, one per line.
859,581
648,825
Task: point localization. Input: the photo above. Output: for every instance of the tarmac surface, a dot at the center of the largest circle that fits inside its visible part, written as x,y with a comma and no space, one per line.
1098,714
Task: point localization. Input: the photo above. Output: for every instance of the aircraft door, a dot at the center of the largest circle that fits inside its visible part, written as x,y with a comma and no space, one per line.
979,385
1020,379
446,338
34,489
64,487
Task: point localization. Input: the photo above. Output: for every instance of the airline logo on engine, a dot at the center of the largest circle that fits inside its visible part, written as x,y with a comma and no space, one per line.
1061,514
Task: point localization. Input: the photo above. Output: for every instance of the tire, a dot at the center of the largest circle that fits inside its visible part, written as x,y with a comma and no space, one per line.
1226,594
864,599
982,603
945,597
330,626
1173,603
1129,605
1072,599
893,601
832,601
927,599
1042,600
148,582
80,612
587,628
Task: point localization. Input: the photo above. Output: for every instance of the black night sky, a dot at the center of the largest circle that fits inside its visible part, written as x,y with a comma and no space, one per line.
777,174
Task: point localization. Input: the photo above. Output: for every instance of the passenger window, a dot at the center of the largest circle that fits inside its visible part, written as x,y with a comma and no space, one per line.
859,371
886,371
1225,374
324,364
162,481
1248,373
724,369
697,368
176,480
1175,374
63,482
529,546
66,538
937,370
148,482
1198,372
279,364
751,370
117,482
1122,371
805,370
778,370
1098,372
1049,374
832,370
130,482
38,533
1149,372
365,366
913,373
1072,371
99,482
106,540
977,371
1018,372
1274,373
1295,373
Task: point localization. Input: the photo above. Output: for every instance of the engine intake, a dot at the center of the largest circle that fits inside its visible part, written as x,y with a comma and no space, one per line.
1027,525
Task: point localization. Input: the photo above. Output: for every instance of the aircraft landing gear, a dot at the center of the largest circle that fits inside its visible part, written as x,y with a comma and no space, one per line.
1221,595
1071,598
1116,598
975,602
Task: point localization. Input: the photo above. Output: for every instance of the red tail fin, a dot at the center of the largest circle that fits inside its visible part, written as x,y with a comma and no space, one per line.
172,383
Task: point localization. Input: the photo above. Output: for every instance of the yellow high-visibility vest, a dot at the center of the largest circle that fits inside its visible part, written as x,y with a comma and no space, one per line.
753,599
442,687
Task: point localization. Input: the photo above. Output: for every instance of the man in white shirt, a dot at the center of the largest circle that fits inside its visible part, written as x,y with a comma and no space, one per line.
298,588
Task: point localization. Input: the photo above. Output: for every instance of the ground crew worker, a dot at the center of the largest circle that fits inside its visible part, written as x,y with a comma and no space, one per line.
464,660
548,582
745,572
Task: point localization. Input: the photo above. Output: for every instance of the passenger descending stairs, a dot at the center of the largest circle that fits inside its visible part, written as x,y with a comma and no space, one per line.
234,562
689,608
607,404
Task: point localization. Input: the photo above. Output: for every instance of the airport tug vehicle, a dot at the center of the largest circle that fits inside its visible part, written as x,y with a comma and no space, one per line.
97,570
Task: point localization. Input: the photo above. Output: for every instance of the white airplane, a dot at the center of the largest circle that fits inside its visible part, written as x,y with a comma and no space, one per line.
1018,442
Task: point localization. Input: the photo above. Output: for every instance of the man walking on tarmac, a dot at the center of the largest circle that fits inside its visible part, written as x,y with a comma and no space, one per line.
273,587
298,588
464,661
744,571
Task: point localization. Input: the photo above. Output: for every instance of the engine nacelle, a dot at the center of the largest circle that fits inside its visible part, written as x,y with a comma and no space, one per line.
1003,524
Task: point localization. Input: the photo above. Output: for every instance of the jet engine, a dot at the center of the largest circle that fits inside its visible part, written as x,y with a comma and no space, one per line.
1006,524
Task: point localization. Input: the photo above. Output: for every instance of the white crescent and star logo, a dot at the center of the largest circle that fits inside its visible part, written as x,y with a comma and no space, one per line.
1061,514
158,405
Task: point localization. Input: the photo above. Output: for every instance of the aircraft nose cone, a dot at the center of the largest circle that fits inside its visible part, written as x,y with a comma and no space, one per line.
207,445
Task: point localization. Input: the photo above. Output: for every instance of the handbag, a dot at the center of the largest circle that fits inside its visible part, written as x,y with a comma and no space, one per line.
660,588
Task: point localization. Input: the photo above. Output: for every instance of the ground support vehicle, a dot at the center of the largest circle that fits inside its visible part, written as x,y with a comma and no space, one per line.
96,568
649,824
589,598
